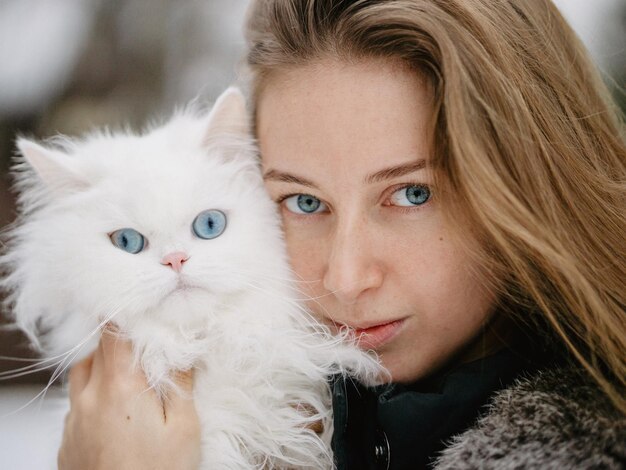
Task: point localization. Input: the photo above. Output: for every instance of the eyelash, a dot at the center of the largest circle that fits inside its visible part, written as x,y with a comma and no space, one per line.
282,198
408,209
388,193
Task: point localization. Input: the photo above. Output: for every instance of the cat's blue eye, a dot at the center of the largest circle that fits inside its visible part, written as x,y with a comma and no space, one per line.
209,224
304,204
128,239
414,195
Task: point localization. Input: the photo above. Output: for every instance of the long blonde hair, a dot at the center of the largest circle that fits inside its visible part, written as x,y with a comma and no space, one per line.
529,148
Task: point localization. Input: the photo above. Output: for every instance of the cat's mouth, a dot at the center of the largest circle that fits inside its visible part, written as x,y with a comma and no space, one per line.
184,286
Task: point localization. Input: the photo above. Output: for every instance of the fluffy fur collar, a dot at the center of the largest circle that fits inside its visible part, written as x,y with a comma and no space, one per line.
555,419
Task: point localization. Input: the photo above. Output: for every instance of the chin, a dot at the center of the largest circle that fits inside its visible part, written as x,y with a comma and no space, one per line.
184,307
397,372
404,372
401,376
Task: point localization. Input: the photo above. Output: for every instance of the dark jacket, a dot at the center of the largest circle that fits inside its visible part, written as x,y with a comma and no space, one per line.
497,412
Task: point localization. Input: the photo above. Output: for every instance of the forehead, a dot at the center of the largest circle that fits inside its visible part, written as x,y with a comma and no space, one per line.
348,116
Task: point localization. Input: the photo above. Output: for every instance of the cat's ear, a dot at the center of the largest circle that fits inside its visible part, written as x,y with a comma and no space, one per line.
229,117
57,170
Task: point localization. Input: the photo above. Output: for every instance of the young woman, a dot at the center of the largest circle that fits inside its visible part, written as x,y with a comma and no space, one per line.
451,180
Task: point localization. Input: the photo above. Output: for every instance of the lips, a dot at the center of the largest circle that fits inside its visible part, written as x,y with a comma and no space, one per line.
375,336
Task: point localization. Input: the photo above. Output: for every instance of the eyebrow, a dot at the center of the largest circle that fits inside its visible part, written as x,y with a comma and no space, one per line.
288,178
395,171
382,175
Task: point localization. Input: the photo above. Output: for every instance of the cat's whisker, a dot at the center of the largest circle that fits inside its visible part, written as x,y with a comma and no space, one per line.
279,296
296,277
22,359
308,298
14,374
247,281
261,275
294,302
28,403
68,356
37,366
305,297
40,365
75,351
41,395
274,282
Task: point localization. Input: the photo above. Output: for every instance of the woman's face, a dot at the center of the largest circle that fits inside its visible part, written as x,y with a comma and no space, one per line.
346,152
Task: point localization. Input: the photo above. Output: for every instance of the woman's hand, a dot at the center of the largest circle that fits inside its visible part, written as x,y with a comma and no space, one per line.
116,422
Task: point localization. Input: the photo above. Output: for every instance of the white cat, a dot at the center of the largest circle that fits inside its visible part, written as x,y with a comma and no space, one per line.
171,236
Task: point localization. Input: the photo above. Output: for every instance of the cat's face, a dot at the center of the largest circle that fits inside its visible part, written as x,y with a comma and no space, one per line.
171,224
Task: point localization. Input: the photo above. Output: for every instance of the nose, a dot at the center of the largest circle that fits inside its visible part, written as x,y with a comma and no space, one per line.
175,260
353,267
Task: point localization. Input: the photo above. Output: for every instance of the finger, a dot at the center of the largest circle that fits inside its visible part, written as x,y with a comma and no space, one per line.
184,379
79,376
61,458
97,366
62,453
109,359
116,352
116,364
183,397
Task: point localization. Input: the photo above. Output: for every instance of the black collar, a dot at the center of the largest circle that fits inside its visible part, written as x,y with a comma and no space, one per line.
404,426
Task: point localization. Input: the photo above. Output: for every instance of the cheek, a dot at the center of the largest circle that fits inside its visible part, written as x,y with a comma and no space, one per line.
447,303
456,296
440,276
307,257
451,285
459,305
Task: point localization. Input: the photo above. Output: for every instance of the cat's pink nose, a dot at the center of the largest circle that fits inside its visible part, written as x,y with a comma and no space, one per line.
175,260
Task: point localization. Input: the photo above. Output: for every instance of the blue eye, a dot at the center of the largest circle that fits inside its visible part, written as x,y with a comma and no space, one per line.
414,195
304,204
128,239
209,224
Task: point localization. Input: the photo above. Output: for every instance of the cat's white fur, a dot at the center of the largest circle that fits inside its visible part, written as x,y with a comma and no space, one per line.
262,363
